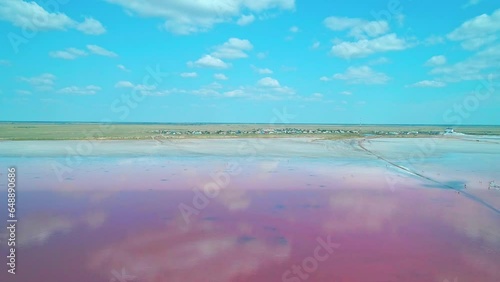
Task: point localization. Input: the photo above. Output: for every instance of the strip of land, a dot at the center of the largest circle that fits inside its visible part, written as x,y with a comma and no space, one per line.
93,131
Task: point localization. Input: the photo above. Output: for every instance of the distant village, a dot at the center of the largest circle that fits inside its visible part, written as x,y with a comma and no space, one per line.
293,131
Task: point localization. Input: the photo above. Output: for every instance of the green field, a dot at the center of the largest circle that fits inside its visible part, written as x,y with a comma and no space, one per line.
77,131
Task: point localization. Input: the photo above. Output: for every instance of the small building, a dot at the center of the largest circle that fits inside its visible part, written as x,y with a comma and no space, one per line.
268,131
449,130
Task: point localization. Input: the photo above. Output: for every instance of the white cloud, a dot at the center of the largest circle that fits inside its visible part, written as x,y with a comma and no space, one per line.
262,71
235,93
147,90
265,71
316,45
151,90
4,63
358,28
313,97
234,48
379,61
436,61
362,75
471,3
365,47
347,93
32,16
433,40
87,90
124,84
429,83
73,53
91,26
220,76
268,88
206,91
324,78
189,74
245,20
262,93
209,61
215,85
475,43
294,29
262,55
268,82
101,51
476,67
68,54
478,31
185,17
123,68
43,82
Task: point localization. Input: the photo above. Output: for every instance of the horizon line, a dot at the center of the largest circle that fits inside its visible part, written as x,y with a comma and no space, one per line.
247,123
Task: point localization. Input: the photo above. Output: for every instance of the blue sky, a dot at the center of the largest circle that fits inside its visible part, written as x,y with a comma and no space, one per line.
297,61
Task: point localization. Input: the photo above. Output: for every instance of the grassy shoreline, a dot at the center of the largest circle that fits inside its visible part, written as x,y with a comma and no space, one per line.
95,131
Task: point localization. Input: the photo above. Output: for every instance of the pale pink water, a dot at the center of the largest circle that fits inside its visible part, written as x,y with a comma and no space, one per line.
121,219
250,233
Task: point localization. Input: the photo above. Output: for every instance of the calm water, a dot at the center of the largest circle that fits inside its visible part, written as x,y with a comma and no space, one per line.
185,216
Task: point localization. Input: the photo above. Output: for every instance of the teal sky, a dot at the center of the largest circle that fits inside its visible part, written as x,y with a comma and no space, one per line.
315,61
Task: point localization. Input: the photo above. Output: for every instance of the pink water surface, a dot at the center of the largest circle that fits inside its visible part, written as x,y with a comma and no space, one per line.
265,224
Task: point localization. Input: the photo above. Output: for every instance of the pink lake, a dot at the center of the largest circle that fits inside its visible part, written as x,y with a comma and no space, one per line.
222,217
